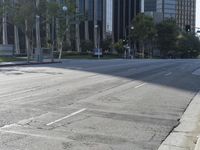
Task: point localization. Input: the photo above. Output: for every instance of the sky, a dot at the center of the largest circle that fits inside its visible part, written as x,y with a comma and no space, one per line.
198,13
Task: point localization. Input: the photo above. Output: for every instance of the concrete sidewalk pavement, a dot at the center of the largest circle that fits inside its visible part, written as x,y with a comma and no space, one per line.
23,63
185,135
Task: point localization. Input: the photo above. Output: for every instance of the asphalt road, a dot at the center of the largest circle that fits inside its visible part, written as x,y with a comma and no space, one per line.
94,105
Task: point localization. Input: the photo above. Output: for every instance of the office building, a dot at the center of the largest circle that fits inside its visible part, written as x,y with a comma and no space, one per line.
124,12
107,18
185,14
167,7
183,11
150,5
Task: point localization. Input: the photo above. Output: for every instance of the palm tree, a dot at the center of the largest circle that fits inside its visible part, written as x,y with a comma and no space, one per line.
4,21
77,28
86,21
38,37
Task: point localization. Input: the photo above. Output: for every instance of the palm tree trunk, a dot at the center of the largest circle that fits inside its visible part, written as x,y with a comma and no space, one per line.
48,31
60,49
38,38
52,38
143,48
17,45
86,21
68,32
4,20
16,35
27,41
77,29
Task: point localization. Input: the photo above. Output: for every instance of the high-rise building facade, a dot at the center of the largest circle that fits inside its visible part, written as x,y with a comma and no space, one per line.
185,14
124,12
103,18
167,8
183,11
150,5
95,23
111,17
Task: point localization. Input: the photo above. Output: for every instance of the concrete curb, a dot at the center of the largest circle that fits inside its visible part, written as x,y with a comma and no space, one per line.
185,135
12,64
197,147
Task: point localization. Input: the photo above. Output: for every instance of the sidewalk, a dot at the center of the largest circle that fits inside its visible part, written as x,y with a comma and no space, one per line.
23,63
185,135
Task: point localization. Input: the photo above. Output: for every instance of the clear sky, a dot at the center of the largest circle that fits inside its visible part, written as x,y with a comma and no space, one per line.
198,13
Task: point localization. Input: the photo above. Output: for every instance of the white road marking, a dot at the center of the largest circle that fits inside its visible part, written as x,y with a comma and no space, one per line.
68,116
34,135
196,72
9,126
140,85
168,74
18,92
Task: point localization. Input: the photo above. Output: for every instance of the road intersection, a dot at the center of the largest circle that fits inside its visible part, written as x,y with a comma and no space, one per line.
89,104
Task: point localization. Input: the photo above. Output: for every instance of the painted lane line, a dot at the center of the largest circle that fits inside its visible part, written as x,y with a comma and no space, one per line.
168,74
140,85
19,92
71,115
33,135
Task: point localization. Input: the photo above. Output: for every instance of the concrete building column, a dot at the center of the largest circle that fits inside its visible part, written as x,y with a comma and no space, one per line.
86,21
142,6
104,19
124,19
118,20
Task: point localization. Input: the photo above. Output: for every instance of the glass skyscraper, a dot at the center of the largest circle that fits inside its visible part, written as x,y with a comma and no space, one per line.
150,5
167,7
109,16
183,11
113,18
124,12
185,14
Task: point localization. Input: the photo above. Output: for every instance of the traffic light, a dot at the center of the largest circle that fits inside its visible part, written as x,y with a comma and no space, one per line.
188,28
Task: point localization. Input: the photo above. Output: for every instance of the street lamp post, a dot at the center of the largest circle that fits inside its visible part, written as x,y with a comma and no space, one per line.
97,40
64,8
131,29
128,43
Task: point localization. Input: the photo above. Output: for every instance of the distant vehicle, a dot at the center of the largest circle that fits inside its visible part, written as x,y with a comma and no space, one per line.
97,52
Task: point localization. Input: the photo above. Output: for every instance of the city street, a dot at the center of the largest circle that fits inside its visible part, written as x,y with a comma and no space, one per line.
94,104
